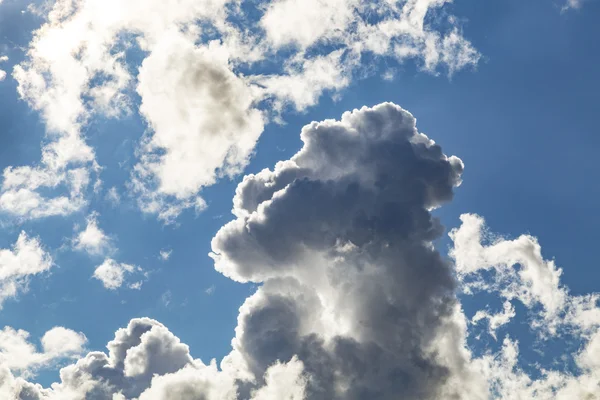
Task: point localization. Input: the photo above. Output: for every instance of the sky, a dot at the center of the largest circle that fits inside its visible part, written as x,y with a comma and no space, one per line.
299,199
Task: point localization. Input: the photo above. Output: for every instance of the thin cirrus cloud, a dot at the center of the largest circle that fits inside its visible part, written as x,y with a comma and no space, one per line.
190,144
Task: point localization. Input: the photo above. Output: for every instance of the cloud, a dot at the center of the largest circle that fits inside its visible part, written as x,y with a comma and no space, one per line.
573,4
2,60
113,274
26,259
113,196
204,115
210,290
92,239
165,254
339,236
519,270
20,191
20,356
198,110
515,270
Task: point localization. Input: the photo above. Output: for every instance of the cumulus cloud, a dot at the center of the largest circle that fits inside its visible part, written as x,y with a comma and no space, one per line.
17,265
199,110
92,239
113,274
21,357
204,115
338,236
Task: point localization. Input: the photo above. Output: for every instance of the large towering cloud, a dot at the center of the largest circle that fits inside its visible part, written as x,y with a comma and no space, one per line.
340,236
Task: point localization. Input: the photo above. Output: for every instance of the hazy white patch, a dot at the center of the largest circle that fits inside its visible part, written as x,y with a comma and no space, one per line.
2,60
210,290
113,196
164,255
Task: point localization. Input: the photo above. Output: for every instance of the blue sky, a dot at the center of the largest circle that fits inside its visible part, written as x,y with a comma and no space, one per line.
519,108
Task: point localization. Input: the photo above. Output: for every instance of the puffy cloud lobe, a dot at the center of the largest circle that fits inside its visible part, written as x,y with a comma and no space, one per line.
146,361
199,110
112,274
27,258
17,354
92,239
372,167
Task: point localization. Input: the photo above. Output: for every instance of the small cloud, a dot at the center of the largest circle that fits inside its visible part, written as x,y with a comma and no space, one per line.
136,285
92,239
112,274
209,291
165,254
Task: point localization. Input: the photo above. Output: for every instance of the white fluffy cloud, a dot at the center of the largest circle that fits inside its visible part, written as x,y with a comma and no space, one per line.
92,239
204,115
113,274
519,273
20,356
26,259
20,191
